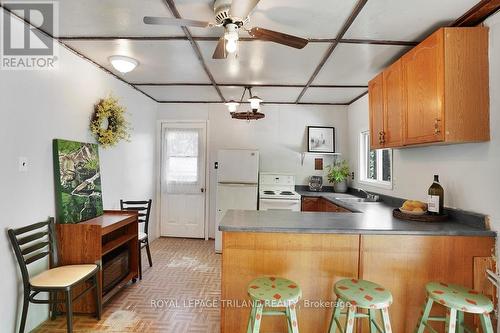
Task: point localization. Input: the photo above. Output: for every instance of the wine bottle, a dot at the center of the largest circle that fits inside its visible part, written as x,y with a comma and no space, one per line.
435,200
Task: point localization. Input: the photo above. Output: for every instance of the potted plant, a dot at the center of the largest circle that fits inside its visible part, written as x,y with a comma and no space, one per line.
338,173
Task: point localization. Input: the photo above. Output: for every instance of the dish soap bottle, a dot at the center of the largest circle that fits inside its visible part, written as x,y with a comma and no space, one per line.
435,200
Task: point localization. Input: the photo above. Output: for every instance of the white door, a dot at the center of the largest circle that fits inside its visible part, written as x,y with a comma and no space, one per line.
183,195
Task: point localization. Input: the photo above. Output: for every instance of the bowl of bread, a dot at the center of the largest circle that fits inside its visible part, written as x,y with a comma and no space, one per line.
414,207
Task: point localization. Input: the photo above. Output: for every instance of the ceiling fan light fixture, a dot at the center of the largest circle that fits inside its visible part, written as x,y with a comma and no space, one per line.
232,105
231,36
123,64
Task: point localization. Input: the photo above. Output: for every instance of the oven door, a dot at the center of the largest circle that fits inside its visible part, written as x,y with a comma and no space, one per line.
279,204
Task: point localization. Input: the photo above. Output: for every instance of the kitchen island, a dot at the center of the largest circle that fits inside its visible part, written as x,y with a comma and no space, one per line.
318,249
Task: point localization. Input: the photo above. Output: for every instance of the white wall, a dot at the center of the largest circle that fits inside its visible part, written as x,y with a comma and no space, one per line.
280,137
469,173
38,106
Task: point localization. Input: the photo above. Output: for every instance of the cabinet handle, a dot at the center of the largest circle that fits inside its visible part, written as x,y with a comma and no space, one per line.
437,128
381,137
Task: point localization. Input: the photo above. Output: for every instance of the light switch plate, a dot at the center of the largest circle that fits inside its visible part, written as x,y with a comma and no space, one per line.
23,164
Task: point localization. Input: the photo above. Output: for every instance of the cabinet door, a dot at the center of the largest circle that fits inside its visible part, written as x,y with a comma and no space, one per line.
310,204
328,206
394,106
376,100
423,70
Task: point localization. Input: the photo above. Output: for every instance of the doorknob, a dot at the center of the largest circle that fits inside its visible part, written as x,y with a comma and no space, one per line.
202,190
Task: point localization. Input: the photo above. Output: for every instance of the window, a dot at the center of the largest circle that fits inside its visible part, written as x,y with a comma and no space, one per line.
375,166
182,156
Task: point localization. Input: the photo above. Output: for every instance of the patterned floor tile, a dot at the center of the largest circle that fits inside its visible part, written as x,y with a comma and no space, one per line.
174,296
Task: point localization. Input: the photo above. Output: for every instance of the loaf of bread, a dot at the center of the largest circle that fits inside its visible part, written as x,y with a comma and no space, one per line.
414,206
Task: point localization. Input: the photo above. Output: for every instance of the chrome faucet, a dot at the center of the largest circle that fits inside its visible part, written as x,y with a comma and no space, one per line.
369,196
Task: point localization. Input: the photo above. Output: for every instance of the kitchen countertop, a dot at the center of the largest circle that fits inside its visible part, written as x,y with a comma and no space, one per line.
366,218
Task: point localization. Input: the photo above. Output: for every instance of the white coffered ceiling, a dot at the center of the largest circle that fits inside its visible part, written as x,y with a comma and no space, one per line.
98,29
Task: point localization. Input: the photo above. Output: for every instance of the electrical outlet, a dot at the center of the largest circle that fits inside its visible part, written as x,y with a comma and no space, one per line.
23,164
352,175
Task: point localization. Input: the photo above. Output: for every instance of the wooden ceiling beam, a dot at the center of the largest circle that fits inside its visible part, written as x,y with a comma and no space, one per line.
244,85
263,103
358,97
477,14
242,39
173,9
347,24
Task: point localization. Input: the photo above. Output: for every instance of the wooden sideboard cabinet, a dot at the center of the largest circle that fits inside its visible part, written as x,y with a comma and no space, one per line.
437,93
109,240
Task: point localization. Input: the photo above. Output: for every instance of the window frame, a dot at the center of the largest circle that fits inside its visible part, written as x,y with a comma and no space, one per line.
364,149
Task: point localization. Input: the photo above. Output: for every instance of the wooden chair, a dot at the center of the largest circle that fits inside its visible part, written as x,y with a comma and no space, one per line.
35,242
144,209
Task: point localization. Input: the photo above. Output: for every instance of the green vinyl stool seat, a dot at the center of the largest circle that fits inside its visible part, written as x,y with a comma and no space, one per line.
458,300
273,292
361,294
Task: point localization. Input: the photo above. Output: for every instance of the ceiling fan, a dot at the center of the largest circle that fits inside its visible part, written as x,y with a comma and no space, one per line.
232,16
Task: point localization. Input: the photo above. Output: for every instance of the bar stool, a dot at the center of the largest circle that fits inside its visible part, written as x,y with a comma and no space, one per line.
364,295
458,300
273,292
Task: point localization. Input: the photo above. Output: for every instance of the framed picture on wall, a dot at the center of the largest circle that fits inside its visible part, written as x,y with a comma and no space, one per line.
77,178
320,139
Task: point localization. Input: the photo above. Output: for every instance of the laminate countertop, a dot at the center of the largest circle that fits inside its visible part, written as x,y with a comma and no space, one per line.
366,218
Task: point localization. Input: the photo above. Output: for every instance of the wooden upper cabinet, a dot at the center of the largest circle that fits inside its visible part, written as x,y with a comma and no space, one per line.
376,100
437,93
424,93
393,105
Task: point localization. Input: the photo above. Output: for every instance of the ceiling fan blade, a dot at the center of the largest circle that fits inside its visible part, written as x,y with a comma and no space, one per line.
278,37
176,22
241,8
220,50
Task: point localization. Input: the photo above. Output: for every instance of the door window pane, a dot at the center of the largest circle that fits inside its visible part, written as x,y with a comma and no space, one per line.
182,156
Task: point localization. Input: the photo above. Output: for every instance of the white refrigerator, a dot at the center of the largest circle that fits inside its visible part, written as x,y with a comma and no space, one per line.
237,184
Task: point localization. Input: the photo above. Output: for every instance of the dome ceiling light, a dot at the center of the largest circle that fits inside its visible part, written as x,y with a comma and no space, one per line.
123,64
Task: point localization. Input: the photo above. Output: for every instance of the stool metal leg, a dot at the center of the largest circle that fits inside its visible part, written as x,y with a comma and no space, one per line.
425,315
335,317
350,319
293,319
451,320
385,320
460,322
486,323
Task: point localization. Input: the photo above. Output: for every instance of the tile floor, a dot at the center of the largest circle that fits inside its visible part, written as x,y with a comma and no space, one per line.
184,272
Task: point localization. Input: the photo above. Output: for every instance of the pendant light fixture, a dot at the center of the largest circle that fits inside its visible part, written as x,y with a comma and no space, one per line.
232,105
252,114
